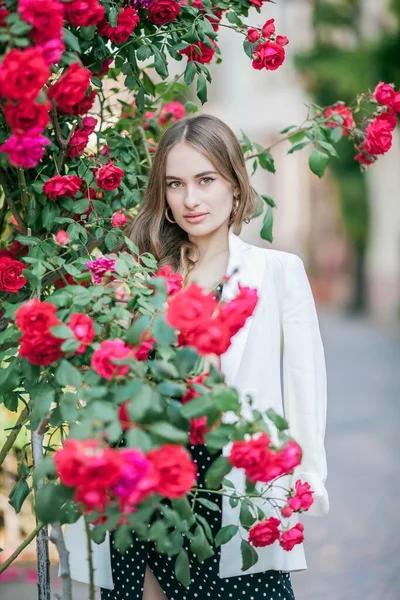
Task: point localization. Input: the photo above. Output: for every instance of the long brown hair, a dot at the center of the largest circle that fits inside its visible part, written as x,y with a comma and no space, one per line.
151,231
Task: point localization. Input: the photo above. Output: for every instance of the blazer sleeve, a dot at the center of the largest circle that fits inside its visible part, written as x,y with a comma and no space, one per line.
304,381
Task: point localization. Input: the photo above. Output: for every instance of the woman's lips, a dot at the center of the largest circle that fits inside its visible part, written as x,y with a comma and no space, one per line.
195,218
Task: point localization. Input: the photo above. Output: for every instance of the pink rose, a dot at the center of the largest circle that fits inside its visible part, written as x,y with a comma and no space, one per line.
379,136
62,237
119,219
82,326
253,35
25,149
103,358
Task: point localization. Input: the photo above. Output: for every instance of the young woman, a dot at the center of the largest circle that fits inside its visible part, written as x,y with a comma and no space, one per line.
198,197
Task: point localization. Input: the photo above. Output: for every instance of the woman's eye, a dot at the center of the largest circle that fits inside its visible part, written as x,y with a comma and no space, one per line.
174,184
207,179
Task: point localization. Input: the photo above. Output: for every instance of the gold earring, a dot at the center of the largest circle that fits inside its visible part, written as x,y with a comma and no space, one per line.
235,207
167,216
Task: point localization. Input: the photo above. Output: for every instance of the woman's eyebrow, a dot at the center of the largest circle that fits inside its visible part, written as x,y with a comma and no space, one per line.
198,175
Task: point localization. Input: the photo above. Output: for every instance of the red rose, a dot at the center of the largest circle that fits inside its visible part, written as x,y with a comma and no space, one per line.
3,16
364,158
207,54
268,55
384,93
175,468
342,111
45,16
257,3
268,29
253,35
11,279
396,103
84,13
126,23
89,125
34,317
293,536
124,418
82,326
174,280
23,74
103,358
210,338
83,107
257,459
41,350
264,533
190,308
62,185
173,111
14,250
109,177
77,143
163,11
389,118
379,136
70,88
289,456
27,114
142,351
235,313
119,219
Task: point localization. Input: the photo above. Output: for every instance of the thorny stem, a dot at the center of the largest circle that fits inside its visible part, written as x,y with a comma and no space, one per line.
90,559
12,436
21,547
11,203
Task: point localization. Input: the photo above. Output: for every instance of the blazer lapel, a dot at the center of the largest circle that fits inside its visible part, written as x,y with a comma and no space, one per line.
244,267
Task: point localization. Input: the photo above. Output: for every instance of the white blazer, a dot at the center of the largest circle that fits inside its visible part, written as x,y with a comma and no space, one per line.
278,359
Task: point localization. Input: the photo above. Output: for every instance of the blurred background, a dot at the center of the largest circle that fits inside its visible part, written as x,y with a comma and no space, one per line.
346,227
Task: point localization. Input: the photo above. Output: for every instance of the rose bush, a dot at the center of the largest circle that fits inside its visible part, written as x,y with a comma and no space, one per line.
71,181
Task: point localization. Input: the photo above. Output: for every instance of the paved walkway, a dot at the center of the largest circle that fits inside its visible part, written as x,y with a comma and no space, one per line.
354,552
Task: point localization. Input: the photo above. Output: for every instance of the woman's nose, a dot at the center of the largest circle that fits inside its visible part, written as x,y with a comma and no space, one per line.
191,200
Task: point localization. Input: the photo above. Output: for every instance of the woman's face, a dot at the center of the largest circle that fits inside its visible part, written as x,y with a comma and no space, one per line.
200,200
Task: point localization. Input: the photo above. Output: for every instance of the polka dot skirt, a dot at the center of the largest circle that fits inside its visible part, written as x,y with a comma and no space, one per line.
129,568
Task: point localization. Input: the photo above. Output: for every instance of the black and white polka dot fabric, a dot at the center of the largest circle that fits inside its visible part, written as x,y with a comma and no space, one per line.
129,568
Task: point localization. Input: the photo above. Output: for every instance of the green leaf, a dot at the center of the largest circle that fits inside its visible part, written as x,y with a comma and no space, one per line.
201,88
197,407
225,534
249,555
144,52
67,374
185,360
200,546
182,507
42,396
226,398
297,147
279,422
9,378
246,518
70,345
164,333
113,16
18,495
123,538
62,331
190,72
247,48
268,222
137,328
233,500
318,162
296,137
49,500
168,433
208,504
182,568
217,471
137,438
71,41
160,63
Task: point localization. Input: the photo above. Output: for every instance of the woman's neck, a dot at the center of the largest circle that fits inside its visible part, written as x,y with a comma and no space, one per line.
210,246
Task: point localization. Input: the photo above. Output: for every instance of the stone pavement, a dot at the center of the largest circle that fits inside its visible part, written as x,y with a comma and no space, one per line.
354,552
